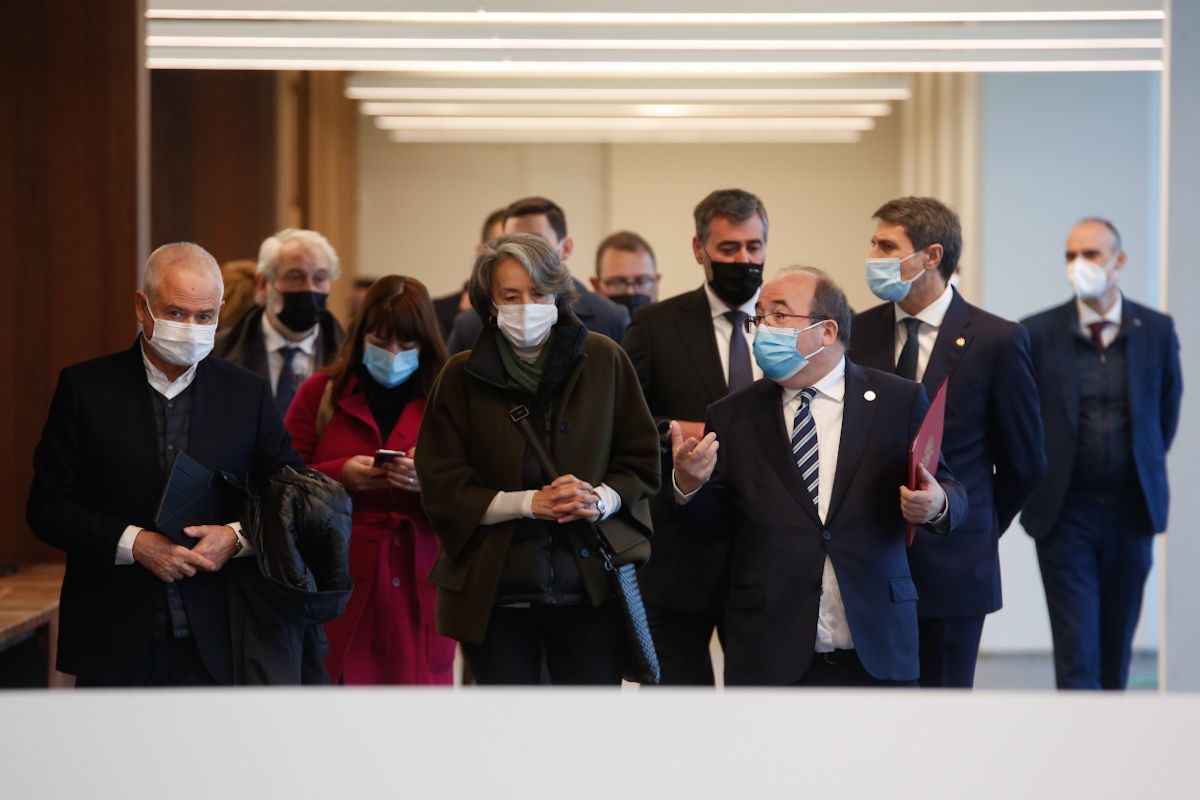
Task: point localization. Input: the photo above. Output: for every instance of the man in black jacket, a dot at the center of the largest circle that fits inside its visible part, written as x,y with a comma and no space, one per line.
291,333
137,608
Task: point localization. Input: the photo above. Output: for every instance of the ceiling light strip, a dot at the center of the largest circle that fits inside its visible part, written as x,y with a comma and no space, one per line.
626,137
759,45
657,18
627,123
661,94
626,109
654,68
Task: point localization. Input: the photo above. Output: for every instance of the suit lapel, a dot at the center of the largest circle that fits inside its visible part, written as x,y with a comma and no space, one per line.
1136,354
1067,376
953,340
698,341
875,335
772,433
204,430
143,444
354,402
858,414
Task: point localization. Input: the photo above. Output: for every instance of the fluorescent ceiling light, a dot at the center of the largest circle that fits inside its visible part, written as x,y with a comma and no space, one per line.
627,109
599,93
653,68
627,123
630,137
658,18
752,45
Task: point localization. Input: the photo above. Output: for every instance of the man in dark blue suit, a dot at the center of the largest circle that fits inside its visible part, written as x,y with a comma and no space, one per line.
544,218
1110,382
807,469
993,432
139,609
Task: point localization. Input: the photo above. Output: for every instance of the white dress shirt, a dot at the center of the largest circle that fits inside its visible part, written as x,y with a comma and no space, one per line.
931,321
1087,316
833,631
303,363
723,329
170,390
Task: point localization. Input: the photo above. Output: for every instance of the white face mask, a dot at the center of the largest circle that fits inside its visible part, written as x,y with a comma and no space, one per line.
526,325
1090,280
181,343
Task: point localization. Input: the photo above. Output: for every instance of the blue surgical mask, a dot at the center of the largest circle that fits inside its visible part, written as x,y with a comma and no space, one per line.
883,276
391,370
776,353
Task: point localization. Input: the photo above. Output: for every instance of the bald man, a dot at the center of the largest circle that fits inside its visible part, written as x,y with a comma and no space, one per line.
139,609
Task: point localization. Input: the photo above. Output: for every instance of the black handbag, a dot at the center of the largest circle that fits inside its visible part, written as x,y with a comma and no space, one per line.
641,662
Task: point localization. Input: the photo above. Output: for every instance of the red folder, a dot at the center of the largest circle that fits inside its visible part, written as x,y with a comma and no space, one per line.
926,448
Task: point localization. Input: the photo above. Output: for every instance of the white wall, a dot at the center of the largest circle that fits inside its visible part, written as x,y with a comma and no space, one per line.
1055,148
421,206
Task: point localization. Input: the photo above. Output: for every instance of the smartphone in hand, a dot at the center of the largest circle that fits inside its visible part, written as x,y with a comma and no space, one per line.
385,457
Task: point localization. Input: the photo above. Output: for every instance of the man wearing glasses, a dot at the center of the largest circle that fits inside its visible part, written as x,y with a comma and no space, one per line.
804,474
626,271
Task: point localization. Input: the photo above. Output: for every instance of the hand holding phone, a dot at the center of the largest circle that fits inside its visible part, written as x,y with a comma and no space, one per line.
385,457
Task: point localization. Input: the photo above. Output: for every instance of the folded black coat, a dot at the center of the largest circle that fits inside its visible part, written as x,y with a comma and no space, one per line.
299,525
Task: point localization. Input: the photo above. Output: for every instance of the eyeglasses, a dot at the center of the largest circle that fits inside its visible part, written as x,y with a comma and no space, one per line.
642,283
776,320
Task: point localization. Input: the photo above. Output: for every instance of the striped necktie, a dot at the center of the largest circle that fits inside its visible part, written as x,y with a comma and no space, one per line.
804,443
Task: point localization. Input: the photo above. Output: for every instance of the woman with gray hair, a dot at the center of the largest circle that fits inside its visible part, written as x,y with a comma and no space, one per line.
518,585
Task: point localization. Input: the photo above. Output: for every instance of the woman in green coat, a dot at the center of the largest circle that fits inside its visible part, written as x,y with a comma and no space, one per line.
519,582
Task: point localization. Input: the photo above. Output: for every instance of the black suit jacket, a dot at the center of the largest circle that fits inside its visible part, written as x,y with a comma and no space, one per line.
446,310
597,313
757,498
674,351
1155,389
97,470
992,441
244,345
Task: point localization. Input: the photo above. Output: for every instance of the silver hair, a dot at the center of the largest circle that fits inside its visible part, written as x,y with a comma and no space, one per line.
268,252
174,253
534,254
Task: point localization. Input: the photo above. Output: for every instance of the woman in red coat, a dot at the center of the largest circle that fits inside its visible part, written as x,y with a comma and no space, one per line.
372,398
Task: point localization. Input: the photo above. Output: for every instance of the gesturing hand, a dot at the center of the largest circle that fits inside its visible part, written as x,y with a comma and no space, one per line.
168,561
694,459
924,503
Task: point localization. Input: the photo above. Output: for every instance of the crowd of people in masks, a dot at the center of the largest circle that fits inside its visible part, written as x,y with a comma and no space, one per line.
745,444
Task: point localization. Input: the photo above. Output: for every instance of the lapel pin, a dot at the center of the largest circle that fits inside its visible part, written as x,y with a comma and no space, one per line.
869,395
960,341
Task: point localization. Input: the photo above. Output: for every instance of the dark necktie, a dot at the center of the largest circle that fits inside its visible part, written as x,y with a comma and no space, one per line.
804,444
739,354
1097,329
285,387
906,366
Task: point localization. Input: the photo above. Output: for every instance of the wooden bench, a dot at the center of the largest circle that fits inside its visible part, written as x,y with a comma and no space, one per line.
29,627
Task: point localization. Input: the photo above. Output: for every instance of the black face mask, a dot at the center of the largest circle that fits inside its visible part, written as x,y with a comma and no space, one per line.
631,301
302,310
735,282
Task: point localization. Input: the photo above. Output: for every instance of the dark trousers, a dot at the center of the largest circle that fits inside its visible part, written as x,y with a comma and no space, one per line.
1094,565
842,668
168,662
682,640
579,645
949,650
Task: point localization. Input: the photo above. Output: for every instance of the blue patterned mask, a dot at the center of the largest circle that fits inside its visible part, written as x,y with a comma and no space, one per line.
390,370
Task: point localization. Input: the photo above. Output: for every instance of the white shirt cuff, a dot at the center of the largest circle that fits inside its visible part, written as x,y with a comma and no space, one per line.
507,506
681,498
247,548
125,546
612,500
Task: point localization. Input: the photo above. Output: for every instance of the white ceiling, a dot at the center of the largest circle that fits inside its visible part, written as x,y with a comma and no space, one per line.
646,70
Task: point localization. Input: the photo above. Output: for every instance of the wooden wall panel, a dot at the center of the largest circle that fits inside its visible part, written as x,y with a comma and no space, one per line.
72,214
213,162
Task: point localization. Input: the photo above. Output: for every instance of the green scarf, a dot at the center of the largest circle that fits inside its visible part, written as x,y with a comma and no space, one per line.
525,374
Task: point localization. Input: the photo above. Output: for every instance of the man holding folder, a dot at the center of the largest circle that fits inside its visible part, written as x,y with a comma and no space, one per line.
992,436
804,472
